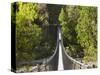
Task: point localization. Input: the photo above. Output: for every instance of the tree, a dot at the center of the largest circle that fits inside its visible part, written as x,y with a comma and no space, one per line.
68,21
34,36
79,30
28,34
87,32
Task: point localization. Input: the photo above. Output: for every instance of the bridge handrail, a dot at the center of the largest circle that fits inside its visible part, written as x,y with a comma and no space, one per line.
73,60
55,51
45,60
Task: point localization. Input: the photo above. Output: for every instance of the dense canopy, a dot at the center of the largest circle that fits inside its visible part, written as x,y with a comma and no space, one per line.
36,32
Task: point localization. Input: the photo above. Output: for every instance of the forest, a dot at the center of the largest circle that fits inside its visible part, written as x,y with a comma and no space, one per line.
36,30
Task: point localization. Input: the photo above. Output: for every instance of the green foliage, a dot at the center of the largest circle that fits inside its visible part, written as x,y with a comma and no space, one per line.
87,32
62,18
34,37
68,22
28,34
79,30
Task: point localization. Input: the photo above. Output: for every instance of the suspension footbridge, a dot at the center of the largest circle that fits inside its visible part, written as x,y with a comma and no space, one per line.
59,60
